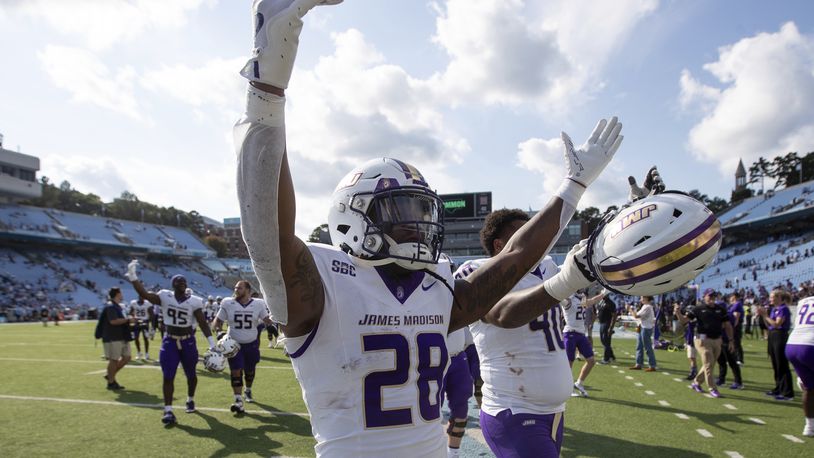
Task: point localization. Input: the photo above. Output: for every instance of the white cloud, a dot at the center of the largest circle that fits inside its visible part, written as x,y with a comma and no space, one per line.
103,23
90,81
545,156
103,177
513,52
765,103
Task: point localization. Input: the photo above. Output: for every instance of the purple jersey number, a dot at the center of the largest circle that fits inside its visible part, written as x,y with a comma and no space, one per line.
375,416
552,333
806,315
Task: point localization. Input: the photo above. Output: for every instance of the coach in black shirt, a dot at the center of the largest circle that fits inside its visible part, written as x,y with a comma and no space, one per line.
606,315
115,337
711,321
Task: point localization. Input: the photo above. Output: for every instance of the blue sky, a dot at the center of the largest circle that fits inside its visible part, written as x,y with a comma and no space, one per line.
141,95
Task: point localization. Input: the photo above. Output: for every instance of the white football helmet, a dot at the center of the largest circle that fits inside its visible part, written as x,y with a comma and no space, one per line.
385,211
214,361
228,346
654,245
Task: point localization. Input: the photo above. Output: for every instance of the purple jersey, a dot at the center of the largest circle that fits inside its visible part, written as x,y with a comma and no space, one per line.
781,311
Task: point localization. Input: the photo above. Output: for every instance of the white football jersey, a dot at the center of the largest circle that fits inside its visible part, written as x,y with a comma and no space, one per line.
371,370
176,313
574,314
140,311
802,332
524,369
243,319
456,342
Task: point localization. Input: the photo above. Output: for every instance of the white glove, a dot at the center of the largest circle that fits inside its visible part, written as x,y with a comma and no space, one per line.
277,34
653,184
587,162
131,270
573,275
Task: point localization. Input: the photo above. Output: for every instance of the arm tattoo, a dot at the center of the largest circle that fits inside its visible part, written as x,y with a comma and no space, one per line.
306,278
489,288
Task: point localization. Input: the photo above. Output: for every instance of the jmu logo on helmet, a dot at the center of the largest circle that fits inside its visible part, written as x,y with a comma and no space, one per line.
633,217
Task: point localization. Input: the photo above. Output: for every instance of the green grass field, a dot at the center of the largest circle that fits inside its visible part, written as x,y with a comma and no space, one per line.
53,402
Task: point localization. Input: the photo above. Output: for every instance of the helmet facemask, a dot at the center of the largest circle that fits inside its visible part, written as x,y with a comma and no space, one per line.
403,224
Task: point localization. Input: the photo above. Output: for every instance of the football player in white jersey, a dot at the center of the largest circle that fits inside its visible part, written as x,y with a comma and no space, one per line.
243,313
525,371
366,321
800,353
142,310
210,308
178,345
576,336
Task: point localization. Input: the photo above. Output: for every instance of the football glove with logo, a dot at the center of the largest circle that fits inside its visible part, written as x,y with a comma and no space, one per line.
573,275
131,274
583,165
277,35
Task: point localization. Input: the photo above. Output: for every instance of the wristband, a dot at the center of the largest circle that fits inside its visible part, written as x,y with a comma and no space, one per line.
570,192
265,108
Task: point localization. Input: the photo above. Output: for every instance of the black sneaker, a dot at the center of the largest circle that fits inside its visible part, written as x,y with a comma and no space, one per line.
169,418
247,396
190,406
238,408
114,386
692,375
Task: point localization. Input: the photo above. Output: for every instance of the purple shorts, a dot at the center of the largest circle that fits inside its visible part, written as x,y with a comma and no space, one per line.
523,435
247,357
458,386
170,355
802,358
577,340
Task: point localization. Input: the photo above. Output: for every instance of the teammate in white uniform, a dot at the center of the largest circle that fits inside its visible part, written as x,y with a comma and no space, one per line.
366,321
243,313
178,345
576,336
800,353
142,310
526,376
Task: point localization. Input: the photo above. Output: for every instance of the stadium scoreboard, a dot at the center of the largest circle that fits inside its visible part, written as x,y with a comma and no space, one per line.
467,205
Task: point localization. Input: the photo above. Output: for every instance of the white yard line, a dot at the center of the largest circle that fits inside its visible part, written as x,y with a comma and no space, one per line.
682,416
732,454
629,377
650,393
757,420
704,432
666,373
638,384
730,407
794,439
621,371
664,403
138,404
678,380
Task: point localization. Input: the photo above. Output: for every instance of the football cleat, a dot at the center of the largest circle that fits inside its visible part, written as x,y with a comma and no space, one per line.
697,388
247,396
238,408
190,407
581,388
808,431
169,418
714,393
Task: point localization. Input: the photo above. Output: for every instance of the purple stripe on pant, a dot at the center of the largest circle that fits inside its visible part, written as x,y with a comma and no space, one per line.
170,355
802,358
523,435
577,340
247,357
458,386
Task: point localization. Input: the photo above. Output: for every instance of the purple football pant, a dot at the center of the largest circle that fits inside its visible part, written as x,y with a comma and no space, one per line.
458,386
170,355
802,358
523,435
474,361
247,357
577,340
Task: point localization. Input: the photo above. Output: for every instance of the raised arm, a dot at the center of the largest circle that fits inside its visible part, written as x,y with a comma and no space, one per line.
283,264
595,299
486,286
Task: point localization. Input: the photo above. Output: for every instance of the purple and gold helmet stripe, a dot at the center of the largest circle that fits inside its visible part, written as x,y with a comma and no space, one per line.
666,258
411,173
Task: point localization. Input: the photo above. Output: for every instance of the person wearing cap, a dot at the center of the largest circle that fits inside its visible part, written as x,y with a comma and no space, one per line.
779,322
711,322
179,308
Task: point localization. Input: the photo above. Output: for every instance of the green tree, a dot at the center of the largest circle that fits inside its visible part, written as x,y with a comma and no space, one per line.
216,243
317,232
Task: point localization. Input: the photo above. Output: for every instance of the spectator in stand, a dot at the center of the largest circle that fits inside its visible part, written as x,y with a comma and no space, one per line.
115,337
644,342
711,322
800,352
778,322
606,315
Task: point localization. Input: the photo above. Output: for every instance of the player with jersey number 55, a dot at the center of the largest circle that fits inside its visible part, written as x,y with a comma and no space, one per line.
243,313
178,345
366,321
